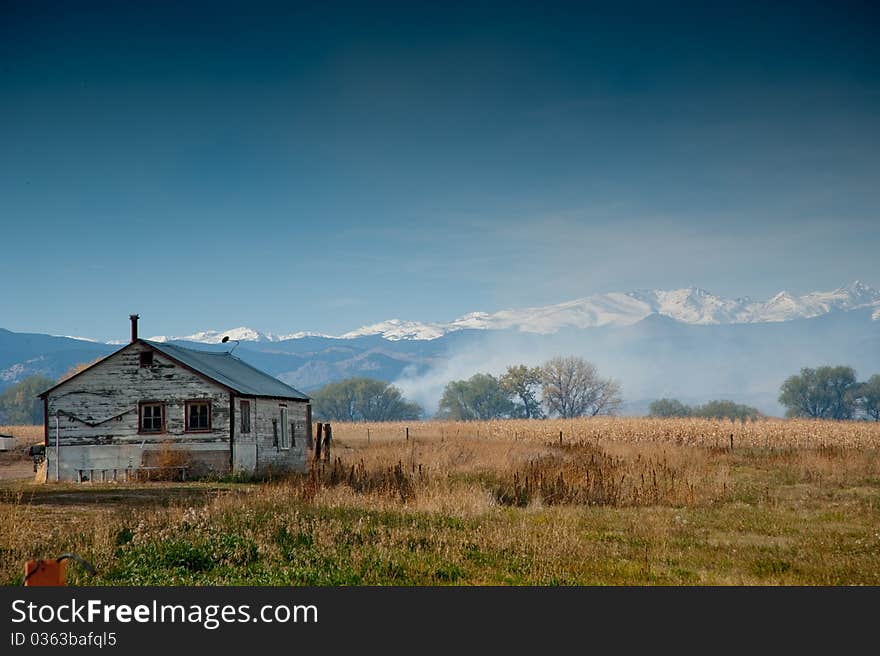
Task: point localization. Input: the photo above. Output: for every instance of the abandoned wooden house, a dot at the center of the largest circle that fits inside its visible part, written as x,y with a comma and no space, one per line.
154,405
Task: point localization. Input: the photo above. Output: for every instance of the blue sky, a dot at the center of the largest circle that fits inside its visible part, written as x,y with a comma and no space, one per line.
322,167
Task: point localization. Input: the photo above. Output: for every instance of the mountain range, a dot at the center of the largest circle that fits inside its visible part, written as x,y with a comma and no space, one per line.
690,305
687,343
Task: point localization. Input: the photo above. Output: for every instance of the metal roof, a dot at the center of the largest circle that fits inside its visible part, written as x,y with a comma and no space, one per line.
230,371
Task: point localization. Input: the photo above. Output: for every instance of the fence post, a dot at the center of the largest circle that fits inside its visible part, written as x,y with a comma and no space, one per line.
368,435
319,429
731,441
407,433
560,438
328,433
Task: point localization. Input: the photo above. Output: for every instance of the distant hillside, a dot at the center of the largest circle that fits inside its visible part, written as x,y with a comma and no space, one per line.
25,354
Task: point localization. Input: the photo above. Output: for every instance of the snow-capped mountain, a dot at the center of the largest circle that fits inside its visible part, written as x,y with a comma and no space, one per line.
242,334
395,329
690,305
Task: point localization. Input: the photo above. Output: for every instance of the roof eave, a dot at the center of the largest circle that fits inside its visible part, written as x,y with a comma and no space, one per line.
45,394
248,395
204,376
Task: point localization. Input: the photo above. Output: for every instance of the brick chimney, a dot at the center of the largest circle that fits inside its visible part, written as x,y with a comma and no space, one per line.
134,327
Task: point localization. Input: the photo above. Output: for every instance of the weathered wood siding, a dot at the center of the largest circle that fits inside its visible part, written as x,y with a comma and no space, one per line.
259,448
99,408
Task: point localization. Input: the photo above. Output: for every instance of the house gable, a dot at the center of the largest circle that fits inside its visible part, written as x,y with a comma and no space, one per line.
139,346
102,404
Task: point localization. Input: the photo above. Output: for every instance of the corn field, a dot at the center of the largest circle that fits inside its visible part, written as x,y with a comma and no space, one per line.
760,434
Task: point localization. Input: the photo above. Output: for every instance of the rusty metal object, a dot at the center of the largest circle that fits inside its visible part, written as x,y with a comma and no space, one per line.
52,572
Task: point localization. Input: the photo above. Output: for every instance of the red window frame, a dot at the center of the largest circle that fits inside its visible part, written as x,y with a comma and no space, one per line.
187,406
141,405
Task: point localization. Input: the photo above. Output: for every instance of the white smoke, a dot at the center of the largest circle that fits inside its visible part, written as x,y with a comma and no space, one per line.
660,358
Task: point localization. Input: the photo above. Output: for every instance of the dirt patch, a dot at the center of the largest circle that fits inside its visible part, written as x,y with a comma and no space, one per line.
108,496
16,471
16,465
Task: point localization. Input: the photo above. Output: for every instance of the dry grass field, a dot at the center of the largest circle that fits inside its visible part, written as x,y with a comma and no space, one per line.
15,463
31,434
613,501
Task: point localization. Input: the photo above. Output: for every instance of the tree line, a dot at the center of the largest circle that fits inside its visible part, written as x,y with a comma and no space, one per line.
19,404
831,392
563,386
718,409
363,399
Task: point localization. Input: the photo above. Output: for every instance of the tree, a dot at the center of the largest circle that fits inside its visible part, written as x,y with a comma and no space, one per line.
822,393
376,400
80,366
335,401
20,403
720,409
522,384
479,397
668,408
869,398
363,399
573,388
